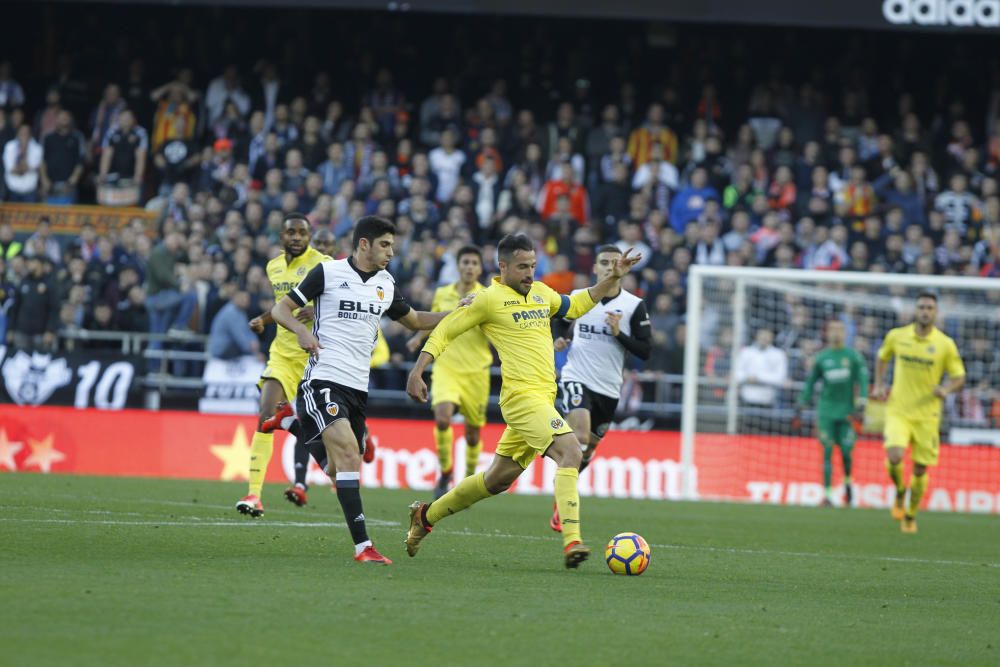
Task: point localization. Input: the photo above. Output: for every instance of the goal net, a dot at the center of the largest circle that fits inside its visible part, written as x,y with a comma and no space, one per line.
752,336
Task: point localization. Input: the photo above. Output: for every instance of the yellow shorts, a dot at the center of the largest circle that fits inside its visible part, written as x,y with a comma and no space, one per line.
924,435
469,392
286,371
532,423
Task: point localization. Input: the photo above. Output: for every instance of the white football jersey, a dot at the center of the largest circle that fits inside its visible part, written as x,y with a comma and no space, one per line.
349,304
596,359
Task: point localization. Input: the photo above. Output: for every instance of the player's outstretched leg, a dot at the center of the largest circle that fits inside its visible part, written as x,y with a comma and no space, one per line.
297,493
501,474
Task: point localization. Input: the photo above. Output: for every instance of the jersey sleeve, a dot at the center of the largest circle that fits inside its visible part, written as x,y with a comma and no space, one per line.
570,307
399,307
953,364
888,349
456,323
311,286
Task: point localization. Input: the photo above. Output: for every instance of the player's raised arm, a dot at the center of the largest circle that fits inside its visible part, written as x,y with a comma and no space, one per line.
621,269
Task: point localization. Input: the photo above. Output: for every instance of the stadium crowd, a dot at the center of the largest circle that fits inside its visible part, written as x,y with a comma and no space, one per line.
798,174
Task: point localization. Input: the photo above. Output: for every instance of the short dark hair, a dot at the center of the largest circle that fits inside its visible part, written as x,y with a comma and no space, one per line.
608,247
927,295
371,227
512,243
469,250
294,216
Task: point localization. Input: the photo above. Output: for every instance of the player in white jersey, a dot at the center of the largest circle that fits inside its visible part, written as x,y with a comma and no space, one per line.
349,298
591,379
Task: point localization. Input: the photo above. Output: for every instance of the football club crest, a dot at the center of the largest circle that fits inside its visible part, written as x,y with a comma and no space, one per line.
332,409
845,363
538,299
379,292
556,423
930,349
301,271
576,400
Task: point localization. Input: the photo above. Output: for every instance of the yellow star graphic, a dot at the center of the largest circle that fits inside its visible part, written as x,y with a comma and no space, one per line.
235,456
43,453
8,448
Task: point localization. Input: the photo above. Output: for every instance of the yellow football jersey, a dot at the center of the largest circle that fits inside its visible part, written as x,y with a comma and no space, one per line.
920,364
284,278
468,352
519,327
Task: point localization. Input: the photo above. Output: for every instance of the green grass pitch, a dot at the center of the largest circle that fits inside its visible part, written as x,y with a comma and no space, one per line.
98,571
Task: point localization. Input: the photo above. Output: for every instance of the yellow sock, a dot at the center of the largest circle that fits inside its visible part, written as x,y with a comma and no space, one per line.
444,440
917,487
568,503
896,473
472,458
466,493
260,455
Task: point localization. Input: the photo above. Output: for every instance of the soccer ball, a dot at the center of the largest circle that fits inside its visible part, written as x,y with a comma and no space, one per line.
628,554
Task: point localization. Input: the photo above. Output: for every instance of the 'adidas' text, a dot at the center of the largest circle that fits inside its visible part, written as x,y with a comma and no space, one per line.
981,13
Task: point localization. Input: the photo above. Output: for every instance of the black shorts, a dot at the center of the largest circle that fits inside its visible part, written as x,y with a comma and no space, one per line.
321,402
577,396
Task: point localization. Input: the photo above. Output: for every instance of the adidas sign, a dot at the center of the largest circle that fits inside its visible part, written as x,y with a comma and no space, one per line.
344,285
971,13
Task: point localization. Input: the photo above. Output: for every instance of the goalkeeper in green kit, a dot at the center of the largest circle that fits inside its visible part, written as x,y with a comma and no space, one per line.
845,389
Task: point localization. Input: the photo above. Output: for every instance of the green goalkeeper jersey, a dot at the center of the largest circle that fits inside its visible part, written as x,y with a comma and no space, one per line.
841,370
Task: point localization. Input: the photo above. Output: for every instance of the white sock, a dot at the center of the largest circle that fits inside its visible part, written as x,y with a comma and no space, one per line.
286,422
358,548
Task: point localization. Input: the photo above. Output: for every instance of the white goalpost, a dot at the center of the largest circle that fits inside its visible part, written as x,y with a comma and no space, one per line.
751,336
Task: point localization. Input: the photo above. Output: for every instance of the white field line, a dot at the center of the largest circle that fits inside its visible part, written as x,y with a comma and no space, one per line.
199,522
757,552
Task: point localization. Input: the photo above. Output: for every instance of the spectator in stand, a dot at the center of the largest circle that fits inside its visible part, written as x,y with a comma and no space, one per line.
230,337
446,161
960,208
11,93
33,315
653,131
781,195
46,119
690,201
22,163
170,299
105,117
611,202
222,90
174,118
564,186
123,155
761,371
63,154
856,199
599,141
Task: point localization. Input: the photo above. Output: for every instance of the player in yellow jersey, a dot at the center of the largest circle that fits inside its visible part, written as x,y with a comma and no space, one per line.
923,354
286,360
515,313
460,377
